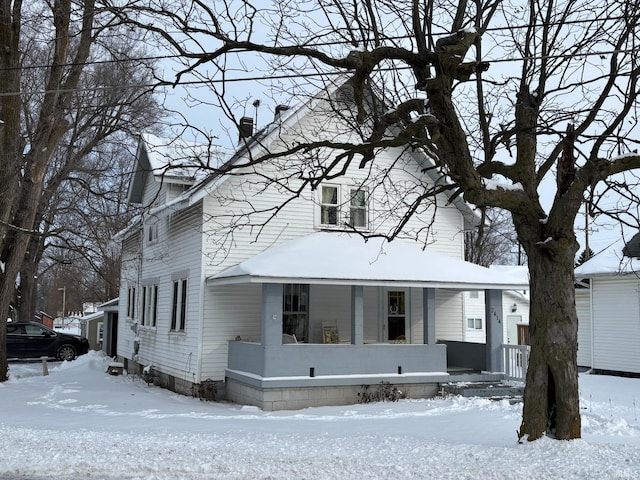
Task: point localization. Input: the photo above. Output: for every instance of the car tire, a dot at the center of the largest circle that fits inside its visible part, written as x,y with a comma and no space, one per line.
66,352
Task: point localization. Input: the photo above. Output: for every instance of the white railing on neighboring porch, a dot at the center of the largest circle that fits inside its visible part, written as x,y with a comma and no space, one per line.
516,361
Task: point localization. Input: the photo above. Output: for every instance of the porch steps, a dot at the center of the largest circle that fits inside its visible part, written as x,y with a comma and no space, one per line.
493,390
458,375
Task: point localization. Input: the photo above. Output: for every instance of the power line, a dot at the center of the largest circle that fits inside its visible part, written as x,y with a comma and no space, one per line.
315,45
291,76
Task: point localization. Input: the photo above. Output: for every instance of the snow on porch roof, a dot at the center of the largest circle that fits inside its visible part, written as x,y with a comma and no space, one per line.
347,259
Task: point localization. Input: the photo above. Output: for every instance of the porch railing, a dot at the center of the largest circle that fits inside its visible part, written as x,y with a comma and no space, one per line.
516,361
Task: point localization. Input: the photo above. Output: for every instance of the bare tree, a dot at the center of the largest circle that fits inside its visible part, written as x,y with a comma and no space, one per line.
494,243
112,104
54,41
499,95
78,220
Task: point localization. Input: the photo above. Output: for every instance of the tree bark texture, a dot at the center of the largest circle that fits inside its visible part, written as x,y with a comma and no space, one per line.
551,398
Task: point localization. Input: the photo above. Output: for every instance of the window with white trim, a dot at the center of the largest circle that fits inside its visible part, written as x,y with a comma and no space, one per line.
150,305
179,305
358,208
474,324
329,207
343,207
151,232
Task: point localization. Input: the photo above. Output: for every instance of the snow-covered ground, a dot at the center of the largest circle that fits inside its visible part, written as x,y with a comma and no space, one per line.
80,423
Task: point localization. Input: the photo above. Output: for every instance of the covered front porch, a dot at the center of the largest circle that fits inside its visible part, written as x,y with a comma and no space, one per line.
279,372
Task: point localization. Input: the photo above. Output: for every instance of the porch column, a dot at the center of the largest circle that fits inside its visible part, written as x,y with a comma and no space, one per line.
272,314
493,312
357,314
429,315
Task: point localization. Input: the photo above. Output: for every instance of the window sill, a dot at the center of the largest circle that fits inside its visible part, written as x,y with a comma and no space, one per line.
342,228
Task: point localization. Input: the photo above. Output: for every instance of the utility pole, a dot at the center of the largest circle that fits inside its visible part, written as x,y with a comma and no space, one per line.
64,302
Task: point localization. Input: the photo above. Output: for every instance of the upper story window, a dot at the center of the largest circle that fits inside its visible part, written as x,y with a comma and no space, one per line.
358,208
342,206
329,205
151,232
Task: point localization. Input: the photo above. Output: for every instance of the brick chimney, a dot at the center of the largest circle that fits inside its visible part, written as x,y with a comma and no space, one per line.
245,128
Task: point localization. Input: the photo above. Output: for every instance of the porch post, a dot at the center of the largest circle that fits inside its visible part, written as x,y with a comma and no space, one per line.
429,315
493,312
272,314
357,314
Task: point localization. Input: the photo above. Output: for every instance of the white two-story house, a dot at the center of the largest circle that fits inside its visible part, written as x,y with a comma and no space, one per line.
279,292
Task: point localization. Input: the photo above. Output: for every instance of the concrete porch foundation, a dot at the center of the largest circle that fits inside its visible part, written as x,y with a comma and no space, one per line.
304,397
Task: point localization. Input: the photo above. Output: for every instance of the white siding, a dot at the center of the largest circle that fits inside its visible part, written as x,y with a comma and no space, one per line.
616,324
474,307
247,201
449,315
177,254
229,312
129,278
236,222
583,308
153,193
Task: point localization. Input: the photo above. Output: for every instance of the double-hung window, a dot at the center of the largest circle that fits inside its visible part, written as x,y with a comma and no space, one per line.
358,208
329,207
179,305
150,305
340,206
295,311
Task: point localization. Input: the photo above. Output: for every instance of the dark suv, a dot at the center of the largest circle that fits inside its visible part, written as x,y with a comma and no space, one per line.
33,340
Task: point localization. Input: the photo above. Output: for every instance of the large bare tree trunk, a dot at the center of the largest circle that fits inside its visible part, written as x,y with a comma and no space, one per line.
551,403
26,304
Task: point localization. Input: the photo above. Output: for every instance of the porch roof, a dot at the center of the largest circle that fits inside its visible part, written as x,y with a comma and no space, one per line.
342,258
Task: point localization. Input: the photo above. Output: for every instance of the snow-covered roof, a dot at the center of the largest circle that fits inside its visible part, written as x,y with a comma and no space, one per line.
177,158
93,316
349,259
519,273
173,161
609,261
254,145
110,305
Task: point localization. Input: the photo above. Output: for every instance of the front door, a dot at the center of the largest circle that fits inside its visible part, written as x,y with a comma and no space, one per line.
396,315
512,328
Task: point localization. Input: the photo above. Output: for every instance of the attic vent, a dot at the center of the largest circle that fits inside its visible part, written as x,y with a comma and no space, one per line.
245,128
279,110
